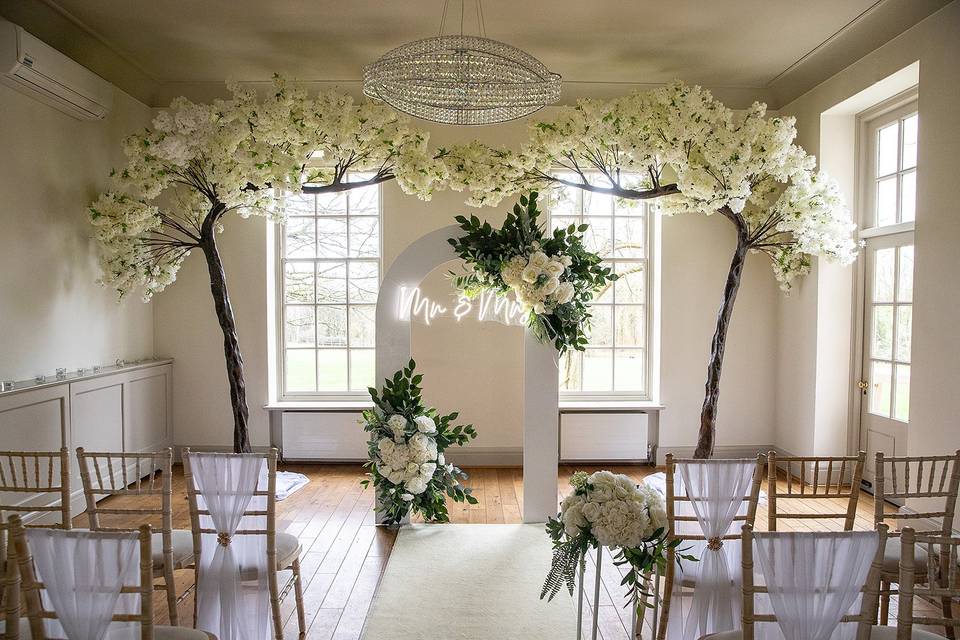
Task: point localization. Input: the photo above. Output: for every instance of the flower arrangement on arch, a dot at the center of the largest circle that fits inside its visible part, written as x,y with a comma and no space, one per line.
406,451
552,275
609,510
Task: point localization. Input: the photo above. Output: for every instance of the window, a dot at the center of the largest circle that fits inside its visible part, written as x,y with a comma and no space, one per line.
894,179
616,361
330,271
888,211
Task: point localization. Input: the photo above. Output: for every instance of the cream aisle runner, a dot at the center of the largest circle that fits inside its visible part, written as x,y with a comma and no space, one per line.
469,581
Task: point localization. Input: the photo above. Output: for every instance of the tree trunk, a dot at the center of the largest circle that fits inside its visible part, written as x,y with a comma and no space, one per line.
231,346
708,414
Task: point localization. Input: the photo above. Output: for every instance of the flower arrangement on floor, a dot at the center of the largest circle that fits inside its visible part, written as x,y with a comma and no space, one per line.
609,510
553,276
407,441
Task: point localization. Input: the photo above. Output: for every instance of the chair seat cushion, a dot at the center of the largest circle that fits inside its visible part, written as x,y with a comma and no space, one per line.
164,632
890,633
182,549
288,549
876,633
735,634
891,559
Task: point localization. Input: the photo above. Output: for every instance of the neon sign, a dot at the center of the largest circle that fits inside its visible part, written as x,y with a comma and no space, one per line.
488,306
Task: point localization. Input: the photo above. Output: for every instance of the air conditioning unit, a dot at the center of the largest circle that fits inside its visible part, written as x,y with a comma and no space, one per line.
42,72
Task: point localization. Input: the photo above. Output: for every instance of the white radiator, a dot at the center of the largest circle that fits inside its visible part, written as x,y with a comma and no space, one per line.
604,437
323,436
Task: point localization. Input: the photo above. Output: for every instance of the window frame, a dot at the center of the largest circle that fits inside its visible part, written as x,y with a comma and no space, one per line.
869,123
898,235
650,260
280,306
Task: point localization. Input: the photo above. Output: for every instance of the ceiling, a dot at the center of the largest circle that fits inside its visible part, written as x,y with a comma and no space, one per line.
743,46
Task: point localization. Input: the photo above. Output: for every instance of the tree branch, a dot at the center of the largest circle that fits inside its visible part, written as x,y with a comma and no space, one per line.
620,192
337,186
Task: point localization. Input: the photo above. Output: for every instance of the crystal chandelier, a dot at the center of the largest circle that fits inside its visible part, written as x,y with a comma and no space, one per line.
461,79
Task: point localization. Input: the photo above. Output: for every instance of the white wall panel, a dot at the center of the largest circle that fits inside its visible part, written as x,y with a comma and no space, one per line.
147,424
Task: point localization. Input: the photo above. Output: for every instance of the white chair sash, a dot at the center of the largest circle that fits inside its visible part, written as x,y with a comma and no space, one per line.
813,580
716,489
233,600
83,573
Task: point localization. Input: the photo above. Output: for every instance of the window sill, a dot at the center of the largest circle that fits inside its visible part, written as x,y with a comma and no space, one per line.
570,406
632,406
319,405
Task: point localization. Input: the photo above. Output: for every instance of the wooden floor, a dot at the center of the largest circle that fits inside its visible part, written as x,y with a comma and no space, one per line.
344,553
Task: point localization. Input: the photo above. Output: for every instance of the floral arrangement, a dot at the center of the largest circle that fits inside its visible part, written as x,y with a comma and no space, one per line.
407,441
609,510
552,276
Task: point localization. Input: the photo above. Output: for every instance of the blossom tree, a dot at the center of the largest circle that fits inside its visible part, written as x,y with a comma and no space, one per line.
201,163
680,145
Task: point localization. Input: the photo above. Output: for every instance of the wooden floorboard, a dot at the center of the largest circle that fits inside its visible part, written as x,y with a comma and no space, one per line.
344,554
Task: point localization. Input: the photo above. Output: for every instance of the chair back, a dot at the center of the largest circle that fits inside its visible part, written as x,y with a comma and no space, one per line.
681,499
811,580
830,479
10,594
233,522
27,477
140,494
933,478
940,584
706,501
105,564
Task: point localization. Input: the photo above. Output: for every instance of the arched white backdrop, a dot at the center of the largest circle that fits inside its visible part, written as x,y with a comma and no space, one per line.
540,380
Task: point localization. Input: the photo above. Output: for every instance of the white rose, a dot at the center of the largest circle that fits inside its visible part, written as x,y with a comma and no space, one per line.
550,286
554,268
530,274
566,261
539,308
539,260
407,497
425,424
416,486
413,469
395,476
385,446
565,292
427,469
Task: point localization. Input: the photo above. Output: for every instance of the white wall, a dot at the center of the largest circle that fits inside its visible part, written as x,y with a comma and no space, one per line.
935,43
696,254
52,311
